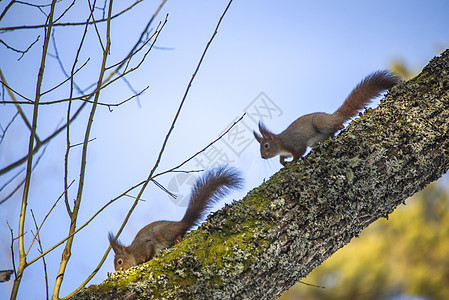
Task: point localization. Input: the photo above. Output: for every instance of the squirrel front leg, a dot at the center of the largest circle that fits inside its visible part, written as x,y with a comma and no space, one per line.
282,160
296,156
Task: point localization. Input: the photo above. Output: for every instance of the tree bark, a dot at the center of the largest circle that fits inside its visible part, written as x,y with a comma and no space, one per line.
260,246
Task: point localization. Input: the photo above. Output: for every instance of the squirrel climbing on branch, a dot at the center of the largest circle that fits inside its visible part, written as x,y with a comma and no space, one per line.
157,236
310,129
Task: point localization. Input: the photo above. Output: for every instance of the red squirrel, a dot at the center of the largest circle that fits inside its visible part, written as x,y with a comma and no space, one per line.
159,235
310,129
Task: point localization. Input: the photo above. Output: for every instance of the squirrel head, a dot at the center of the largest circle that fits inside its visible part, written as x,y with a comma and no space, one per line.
269,145
123,258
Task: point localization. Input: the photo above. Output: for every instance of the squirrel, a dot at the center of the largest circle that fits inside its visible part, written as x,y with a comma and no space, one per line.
310,129
159,235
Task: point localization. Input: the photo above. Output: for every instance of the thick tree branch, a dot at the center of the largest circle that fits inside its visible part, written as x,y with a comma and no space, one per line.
260,246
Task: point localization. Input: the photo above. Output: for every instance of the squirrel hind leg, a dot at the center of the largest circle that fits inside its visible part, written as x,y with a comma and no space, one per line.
338,126
177,239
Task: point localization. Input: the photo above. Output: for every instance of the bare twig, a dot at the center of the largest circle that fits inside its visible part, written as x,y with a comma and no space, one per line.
2,134
134,197
36,236
92,8
46,216
23,181
12,92
163,188
187,171
61,24
65,11
6,9
202,150
22,52
65,80
12,249
9,181
80,144
73,86
19,109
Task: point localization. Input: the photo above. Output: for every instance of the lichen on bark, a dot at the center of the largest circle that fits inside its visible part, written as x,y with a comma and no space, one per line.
260,246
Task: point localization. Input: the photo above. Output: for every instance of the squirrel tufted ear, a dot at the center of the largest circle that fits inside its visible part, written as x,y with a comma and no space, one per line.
257,136
264,131
115,244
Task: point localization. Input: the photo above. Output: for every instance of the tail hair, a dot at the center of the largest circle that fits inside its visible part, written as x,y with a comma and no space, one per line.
370,87
208,190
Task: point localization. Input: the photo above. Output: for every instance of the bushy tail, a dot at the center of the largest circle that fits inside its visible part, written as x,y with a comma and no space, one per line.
370,87
207,190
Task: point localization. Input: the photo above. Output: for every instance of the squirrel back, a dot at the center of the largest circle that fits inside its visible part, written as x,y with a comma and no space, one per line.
159,235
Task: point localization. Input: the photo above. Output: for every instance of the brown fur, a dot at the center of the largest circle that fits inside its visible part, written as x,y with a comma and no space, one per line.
160,235
310,129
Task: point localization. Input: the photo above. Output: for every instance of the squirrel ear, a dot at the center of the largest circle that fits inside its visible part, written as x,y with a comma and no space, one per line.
257,136
115,244
264,131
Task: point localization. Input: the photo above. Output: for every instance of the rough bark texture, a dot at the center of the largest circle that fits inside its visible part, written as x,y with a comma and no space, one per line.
260,246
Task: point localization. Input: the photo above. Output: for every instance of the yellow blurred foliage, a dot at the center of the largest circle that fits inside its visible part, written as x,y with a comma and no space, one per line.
407,256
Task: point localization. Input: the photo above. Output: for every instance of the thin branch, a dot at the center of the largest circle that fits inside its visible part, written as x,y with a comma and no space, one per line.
19,109
142,35
6,9
3,133
64,24
12,92
12,249
92,8
202,150
164,189
187,171
36,236
73,86
22,52
6,198
65,11
9,181
124,101
48,214
80,144
65,80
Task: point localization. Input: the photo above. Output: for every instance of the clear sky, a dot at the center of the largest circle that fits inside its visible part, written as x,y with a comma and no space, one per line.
297,57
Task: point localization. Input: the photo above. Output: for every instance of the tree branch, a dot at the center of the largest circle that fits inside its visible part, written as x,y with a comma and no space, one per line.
263,244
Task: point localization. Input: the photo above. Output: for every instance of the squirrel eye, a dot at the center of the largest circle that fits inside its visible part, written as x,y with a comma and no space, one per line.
266,145
119,261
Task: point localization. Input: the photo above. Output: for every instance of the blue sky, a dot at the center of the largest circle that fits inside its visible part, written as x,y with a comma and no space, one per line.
303,56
